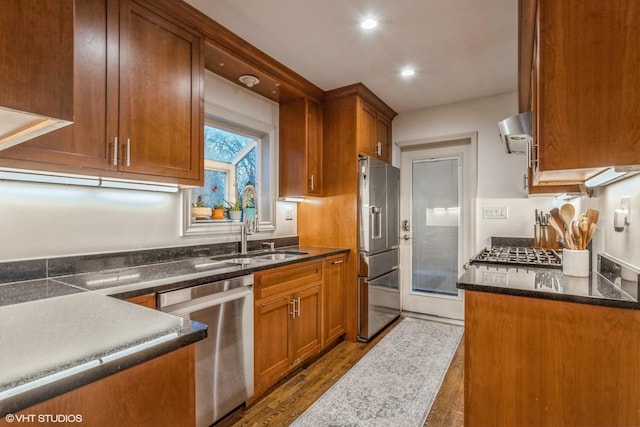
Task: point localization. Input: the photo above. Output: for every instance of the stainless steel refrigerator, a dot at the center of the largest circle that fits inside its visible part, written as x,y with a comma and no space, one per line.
378,213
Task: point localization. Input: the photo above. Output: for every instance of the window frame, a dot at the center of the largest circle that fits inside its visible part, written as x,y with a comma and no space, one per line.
266,180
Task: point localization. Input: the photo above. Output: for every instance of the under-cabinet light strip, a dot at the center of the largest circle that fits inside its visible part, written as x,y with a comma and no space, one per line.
604,177
8,174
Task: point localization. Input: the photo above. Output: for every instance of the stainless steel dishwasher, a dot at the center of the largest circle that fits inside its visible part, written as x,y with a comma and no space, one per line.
224,360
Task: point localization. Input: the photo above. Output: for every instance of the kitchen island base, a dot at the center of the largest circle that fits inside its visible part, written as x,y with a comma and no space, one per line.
538,362
160,392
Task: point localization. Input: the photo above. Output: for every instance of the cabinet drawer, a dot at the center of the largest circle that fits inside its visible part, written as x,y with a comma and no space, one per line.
285,279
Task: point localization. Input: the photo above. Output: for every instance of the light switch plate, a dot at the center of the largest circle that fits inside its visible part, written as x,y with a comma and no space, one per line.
288,214
495,212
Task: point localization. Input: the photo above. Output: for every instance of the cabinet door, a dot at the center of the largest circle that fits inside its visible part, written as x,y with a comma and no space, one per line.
367,130
300,146
334,299
306,336
314,149
82,144
161,89
588,91
383,144
36,47
146,300
272,321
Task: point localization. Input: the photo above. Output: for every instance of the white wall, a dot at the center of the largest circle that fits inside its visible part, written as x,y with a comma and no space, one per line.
500,175
621,245
44,220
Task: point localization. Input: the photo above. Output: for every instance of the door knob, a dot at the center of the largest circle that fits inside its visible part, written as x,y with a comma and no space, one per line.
406,237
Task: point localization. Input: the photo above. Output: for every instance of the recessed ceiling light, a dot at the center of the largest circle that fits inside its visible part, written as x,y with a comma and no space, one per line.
368,23
407,72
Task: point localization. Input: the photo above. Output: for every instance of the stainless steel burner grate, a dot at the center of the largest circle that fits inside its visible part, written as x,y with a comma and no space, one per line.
519,256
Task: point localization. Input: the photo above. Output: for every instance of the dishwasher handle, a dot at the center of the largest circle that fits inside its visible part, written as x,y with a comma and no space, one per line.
212,300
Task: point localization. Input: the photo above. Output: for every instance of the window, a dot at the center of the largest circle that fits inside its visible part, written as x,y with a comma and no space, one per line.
229,165
235,155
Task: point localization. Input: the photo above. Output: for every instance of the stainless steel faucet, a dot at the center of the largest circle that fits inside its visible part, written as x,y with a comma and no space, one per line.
248,225
269,246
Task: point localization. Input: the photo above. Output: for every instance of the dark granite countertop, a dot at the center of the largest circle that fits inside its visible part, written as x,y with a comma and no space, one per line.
32,290
31,297
168,276
548,283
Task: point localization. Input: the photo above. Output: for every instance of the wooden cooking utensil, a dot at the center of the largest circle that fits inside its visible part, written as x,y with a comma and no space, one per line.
583,225
567,212
555,214
554,224
577,235
592,229
593,215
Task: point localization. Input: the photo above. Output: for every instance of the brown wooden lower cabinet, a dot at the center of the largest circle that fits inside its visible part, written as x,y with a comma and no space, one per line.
334,297
146,300
160,392
537,362
287,320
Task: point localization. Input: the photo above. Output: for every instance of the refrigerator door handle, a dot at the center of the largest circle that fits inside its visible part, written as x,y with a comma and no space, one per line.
376,222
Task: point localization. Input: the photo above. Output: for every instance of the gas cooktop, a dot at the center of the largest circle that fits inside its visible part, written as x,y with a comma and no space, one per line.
507,255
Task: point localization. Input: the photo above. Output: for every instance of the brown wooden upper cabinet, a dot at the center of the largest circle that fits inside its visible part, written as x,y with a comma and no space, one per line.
300,148
36,44
359,119
375,136
578,73
138,98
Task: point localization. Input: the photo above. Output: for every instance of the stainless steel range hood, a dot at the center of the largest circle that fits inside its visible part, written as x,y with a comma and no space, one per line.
19,126
515,132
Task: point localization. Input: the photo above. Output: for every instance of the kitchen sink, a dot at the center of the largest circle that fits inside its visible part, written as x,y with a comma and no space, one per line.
279,255
245,261
258,257
290,252
274,257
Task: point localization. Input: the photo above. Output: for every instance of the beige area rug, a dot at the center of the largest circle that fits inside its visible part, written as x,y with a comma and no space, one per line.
394,384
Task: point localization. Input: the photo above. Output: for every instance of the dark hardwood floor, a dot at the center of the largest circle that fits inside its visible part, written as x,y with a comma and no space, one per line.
295,393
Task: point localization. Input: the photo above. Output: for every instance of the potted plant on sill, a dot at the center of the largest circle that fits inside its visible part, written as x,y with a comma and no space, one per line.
234,209
199,210
218,211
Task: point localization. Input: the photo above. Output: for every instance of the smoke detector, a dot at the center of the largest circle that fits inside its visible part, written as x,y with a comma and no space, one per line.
248,80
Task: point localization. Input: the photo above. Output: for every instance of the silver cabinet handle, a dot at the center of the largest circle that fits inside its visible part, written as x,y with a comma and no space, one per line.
379,148
128,151
311,185
293,308
530,160
115,151
340,261
526,181
298,306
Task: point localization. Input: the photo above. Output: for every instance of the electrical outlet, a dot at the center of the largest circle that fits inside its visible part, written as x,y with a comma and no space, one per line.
625,205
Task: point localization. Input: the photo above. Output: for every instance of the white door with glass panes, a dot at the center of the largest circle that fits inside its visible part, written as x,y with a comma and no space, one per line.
437,193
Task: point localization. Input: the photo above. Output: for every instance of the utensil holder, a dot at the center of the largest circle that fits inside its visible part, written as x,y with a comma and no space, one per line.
575,262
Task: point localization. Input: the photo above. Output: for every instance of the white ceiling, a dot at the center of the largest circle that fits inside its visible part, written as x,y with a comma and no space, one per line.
460,49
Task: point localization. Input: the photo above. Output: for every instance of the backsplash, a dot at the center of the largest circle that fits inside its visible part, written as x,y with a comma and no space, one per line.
625,277
624,245
62,266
